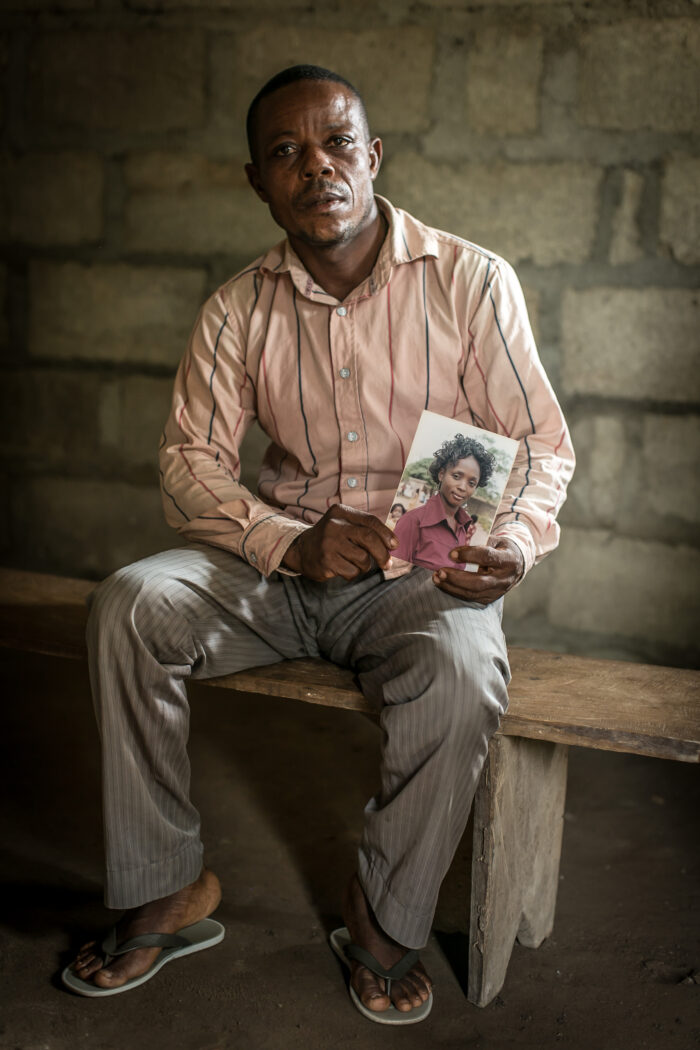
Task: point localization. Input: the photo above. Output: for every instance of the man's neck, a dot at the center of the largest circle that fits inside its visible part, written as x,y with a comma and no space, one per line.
338,268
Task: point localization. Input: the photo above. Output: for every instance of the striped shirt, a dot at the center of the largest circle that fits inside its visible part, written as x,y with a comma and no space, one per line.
339,388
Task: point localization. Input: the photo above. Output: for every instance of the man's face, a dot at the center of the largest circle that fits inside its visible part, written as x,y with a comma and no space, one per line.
314,163
459,481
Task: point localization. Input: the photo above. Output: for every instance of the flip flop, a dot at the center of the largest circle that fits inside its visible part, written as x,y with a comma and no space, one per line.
346,950
190,939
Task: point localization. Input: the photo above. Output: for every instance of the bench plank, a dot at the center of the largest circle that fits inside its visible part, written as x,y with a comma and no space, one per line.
604,704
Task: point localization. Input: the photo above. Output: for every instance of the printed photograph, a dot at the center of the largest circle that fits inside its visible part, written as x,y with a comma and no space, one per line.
450,490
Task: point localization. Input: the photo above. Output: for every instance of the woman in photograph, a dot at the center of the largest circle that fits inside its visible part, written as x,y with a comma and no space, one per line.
427,534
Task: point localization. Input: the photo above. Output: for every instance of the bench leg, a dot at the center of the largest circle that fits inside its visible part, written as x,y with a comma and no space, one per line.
518,823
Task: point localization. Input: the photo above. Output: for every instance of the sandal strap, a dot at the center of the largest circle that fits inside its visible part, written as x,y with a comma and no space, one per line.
397,971
144,940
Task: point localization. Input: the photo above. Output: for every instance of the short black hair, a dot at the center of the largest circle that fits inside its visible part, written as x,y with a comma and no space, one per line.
461,447
291,76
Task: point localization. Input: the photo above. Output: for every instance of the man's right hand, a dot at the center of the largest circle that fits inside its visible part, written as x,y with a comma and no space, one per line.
343,543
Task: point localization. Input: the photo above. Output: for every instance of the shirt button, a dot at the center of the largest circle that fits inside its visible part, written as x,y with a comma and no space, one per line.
341,311
352,483
252,559
344,373
352,435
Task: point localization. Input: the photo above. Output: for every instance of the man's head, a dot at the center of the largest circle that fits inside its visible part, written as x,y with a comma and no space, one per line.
293,75
313,161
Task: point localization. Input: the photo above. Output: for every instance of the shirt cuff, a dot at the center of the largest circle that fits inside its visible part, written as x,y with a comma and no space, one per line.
265,542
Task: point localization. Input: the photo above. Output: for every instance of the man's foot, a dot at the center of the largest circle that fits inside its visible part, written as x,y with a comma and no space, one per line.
166,915
411,990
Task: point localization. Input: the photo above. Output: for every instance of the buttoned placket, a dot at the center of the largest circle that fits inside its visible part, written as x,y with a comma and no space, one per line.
353,444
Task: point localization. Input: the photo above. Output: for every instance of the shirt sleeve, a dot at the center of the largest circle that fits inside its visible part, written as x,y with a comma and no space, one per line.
212,407
509,393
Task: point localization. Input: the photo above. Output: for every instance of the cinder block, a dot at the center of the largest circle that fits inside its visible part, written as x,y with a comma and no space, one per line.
49,5
392,68
503,79
87,527
4,306
112,312
192,204
641,74
631,343
625,244
52,198
145,406
546,213
626,587
110,80
531,596
4,57
597,491
671,480
50,418
680,209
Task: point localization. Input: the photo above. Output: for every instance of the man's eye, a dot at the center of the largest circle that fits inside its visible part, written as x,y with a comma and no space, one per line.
340,140
284,150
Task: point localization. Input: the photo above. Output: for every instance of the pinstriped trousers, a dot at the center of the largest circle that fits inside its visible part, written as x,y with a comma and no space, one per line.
435,667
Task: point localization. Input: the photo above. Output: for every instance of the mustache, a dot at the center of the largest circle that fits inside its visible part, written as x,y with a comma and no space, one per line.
321,190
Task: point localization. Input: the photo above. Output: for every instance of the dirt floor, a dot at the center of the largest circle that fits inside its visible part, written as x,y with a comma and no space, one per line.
281,787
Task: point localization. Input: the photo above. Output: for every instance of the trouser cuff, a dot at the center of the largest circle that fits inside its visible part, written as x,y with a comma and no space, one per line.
132,887
405,925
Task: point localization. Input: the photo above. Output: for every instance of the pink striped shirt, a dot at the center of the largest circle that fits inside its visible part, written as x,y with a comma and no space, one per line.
339,387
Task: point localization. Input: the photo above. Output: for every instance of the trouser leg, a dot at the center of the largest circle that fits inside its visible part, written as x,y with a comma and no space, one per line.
185,613
438,669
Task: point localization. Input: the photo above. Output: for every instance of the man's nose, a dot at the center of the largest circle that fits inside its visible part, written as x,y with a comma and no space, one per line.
316,162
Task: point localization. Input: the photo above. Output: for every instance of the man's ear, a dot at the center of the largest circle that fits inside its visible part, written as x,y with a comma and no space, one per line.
376,152
254,180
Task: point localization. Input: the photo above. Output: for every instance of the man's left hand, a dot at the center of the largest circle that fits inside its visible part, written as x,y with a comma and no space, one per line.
499,568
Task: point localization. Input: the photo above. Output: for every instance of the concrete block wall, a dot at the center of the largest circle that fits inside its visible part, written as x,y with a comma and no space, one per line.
562,134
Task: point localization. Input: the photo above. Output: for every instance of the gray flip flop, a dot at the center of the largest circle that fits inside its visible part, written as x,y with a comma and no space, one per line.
193,938
346,950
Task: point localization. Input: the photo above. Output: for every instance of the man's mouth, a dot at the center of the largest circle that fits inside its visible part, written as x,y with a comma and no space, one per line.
322,199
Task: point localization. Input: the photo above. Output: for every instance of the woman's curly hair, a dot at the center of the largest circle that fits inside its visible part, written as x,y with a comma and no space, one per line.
460,447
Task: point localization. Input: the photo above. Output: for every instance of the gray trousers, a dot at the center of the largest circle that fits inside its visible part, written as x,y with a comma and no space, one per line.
435,667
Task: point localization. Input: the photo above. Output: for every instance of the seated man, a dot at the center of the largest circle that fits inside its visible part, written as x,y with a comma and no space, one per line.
335,340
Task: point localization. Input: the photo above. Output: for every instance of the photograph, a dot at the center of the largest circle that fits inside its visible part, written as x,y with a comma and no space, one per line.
449,491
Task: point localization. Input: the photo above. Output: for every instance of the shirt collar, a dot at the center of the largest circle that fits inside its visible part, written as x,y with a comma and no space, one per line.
407,239
434,512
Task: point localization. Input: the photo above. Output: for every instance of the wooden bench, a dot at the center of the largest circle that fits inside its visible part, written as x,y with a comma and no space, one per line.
555,700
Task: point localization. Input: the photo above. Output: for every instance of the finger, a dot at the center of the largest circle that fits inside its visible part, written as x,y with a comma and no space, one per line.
340,565
488,558
472,590
472,582
370,543
366,521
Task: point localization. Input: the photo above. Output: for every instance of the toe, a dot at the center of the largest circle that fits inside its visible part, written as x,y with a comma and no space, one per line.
409,993
109,979
370,990
86,969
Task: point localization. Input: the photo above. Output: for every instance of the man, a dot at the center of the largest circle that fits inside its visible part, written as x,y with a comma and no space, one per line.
335,341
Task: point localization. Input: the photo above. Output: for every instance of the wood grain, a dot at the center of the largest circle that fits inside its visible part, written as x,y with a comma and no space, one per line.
604,704
518,825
